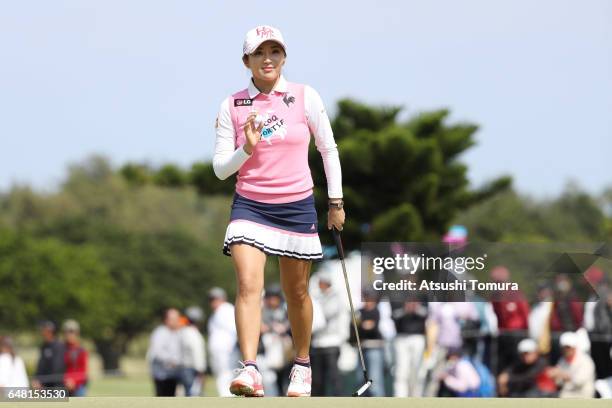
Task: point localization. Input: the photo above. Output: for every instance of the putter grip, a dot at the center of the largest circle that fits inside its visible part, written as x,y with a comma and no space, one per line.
338,242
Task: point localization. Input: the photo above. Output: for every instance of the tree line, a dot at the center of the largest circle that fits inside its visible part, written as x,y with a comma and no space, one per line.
113,247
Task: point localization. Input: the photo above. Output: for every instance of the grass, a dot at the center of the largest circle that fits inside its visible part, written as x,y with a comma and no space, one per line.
151,402
135,390
136,381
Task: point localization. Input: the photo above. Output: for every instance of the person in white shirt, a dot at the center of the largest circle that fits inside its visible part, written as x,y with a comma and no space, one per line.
164,355
193,353
459,378
575,372
222,340
12,368
326,341
539,317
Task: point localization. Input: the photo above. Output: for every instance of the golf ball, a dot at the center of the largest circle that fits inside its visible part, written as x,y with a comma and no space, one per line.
258,121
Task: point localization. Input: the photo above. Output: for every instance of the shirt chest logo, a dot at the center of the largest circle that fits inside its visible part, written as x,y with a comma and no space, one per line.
273,125
288,99
243,102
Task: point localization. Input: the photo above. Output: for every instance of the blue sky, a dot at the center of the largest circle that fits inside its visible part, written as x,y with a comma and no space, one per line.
143,80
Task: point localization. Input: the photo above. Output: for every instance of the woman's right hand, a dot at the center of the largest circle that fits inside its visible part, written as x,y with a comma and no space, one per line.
251,133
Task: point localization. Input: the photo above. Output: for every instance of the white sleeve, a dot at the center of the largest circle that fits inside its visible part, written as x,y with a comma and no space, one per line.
386,326
5,366
204,360
199,357
21,375
226,160
226,318
588,322
318,317
491,317
154,341
318,123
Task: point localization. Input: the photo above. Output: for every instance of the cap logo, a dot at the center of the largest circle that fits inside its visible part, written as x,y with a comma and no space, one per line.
264,32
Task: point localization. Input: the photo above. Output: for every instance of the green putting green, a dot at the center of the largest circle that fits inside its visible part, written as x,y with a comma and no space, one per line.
346,402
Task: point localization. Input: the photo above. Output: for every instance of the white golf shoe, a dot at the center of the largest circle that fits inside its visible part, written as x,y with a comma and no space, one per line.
301,381
248,382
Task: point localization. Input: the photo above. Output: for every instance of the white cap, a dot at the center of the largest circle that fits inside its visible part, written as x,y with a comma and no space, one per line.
217,293
569,339
71,325
194,313
326,276
527,346
255,37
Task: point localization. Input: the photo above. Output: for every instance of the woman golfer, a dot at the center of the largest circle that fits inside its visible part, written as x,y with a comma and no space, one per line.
263,133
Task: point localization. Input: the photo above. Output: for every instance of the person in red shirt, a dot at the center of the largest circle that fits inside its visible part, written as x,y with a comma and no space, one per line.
512,310
566,314
528,377
75,359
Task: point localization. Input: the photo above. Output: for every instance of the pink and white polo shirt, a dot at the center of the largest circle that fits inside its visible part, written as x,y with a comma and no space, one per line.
277,171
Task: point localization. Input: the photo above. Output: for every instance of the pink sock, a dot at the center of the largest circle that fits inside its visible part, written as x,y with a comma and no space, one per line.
303,361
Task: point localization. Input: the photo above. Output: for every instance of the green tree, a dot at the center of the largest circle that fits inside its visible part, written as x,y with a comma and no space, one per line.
402,180
47,278
170,175
137,174
203,178
606,203
572,217
159,246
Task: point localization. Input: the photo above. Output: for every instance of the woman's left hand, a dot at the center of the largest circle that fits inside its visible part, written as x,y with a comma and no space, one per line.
335,217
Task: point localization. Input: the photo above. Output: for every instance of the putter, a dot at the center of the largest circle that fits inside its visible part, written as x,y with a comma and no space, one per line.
367,381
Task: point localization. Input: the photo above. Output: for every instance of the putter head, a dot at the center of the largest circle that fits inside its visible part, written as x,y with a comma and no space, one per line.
363,389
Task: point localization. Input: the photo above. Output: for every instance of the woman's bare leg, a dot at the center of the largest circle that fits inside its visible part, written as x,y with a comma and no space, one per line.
294,275
249,263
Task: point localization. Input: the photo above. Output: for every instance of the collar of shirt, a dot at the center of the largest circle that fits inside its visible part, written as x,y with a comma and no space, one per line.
281,86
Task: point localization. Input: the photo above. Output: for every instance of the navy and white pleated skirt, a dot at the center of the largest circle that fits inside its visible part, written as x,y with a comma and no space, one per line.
288,229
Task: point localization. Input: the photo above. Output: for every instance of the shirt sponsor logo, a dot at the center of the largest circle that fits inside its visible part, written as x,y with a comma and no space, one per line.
243,102
288,99
273,125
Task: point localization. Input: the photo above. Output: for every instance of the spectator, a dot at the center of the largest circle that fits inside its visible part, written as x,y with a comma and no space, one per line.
443,332
596,279
512,312
75,360
528,377
372,343
575,372
50,368
326,340
276,344
487,331
222,339
601,334
567,313
539,318
164,354
12,368
459,378
193,351
598,323
409,345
